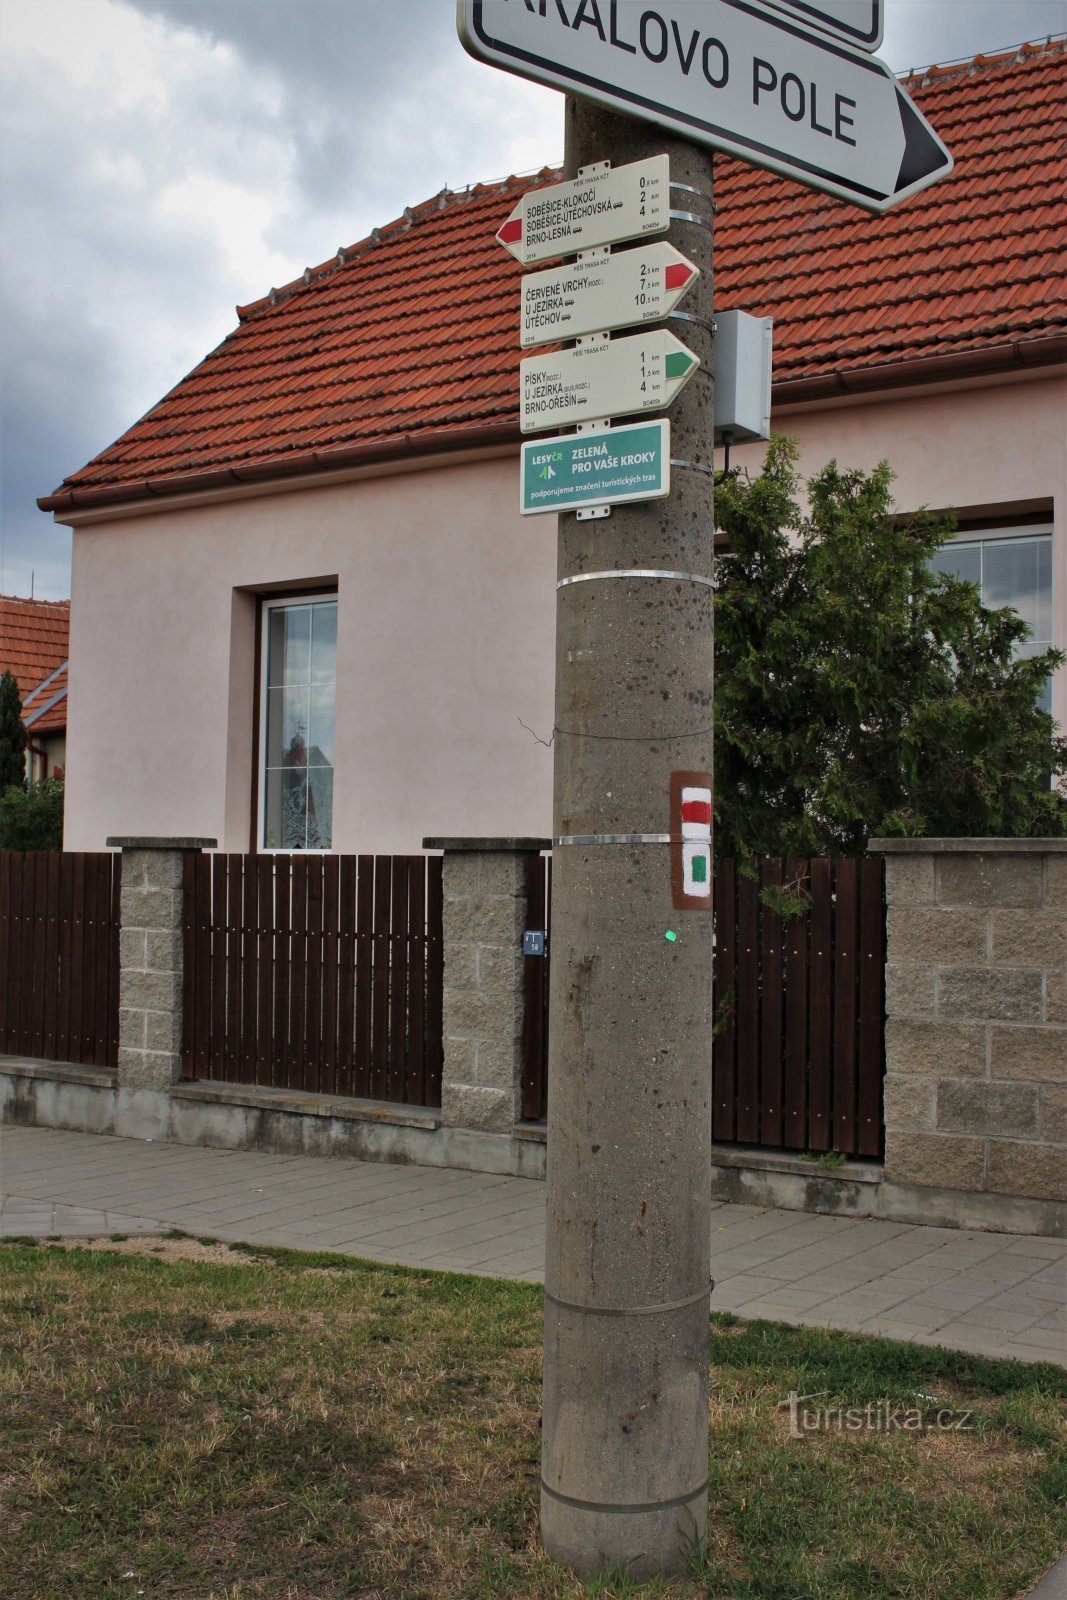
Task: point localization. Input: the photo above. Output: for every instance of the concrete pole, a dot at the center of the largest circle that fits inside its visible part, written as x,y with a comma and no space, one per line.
625,1445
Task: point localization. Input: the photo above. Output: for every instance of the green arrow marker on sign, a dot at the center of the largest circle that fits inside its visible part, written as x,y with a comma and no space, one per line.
678,363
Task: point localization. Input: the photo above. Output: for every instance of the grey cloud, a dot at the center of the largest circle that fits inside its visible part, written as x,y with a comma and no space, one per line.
348,69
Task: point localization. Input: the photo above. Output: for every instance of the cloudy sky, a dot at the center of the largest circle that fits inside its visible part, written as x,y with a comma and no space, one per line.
164,160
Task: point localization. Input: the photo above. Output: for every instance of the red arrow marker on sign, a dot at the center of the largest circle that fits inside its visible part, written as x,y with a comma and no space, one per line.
511,232
678,275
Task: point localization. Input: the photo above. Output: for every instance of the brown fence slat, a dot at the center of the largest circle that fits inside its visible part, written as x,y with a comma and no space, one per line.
27,936
39,929
283,893
330,950
249,963
380,979
416,1071
398,974
869,1138
266,974
9,952
311,1077
100,954
23,931
64,956
435,977
845,980
216,1043
820,1008
298,968
50,998
97,907
346,974
748,1000
233,1050
7,963
116,974
78,1032
361,1078
795,1066
771,1064
724,1052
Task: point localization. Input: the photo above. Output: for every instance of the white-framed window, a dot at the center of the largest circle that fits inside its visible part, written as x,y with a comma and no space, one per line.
1012,567
298,694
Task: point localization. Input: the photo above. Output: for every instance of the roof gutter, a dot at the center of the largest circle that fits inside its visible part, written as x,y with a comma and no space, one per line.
398,447
1017,355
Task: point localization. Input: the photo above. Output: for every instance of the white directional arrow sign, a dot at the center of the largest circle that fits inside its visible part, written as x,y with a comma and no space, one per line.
609,291
732,74
605,206
603,378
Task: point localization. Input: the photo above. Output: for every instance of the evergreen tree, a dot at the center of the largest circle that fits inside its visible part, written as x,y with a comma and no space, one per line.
857,692
12,734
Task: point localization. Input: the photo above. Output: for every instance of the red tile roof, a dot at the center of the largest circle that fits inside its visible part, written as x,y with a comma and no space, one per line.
408,341
34,645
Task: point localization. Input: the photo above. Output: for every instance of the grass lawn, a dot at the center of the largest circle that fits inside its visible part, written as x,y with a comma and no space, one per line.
185,1420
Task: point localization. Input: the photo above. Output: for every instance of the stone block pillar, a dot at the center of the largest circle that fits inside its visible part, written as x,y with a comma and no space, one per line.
150,979
976,1002
484,892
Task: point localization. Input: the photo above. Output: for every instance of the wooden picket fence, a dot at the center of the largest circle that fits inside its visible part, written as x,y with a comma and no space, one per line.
798,1051
799,1047
59,956
315,973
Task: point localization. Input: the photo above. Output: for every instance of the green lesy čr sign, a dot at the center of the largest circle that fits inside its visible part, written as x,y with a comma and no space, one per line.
603,468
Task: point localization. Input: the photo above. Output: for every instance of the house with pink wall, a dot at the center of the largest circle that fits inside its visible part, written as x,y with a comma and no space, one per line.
304,595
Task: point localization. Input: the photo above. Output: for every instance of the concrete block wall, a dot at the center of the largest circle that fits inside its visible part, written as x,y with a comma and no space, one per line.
484,916
976,1003
150,969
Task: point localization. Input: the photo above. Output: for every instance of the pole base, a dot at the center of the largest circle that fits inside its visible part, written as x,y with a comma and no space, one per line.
647,1542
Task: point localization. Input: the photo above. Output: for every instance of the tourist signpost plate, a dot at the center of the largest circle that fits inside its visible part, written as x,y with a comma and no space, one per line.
607,291
859,22
603,378
605,205
602,467
734,74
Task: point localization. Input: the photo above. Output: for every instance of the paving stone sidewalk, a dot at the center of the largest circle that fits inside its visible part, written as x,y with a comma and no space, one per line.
998,1294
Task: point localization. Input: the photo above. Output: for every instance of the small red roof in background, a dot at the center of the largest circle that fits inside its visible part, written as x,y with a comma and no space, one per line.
413,334
35,645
